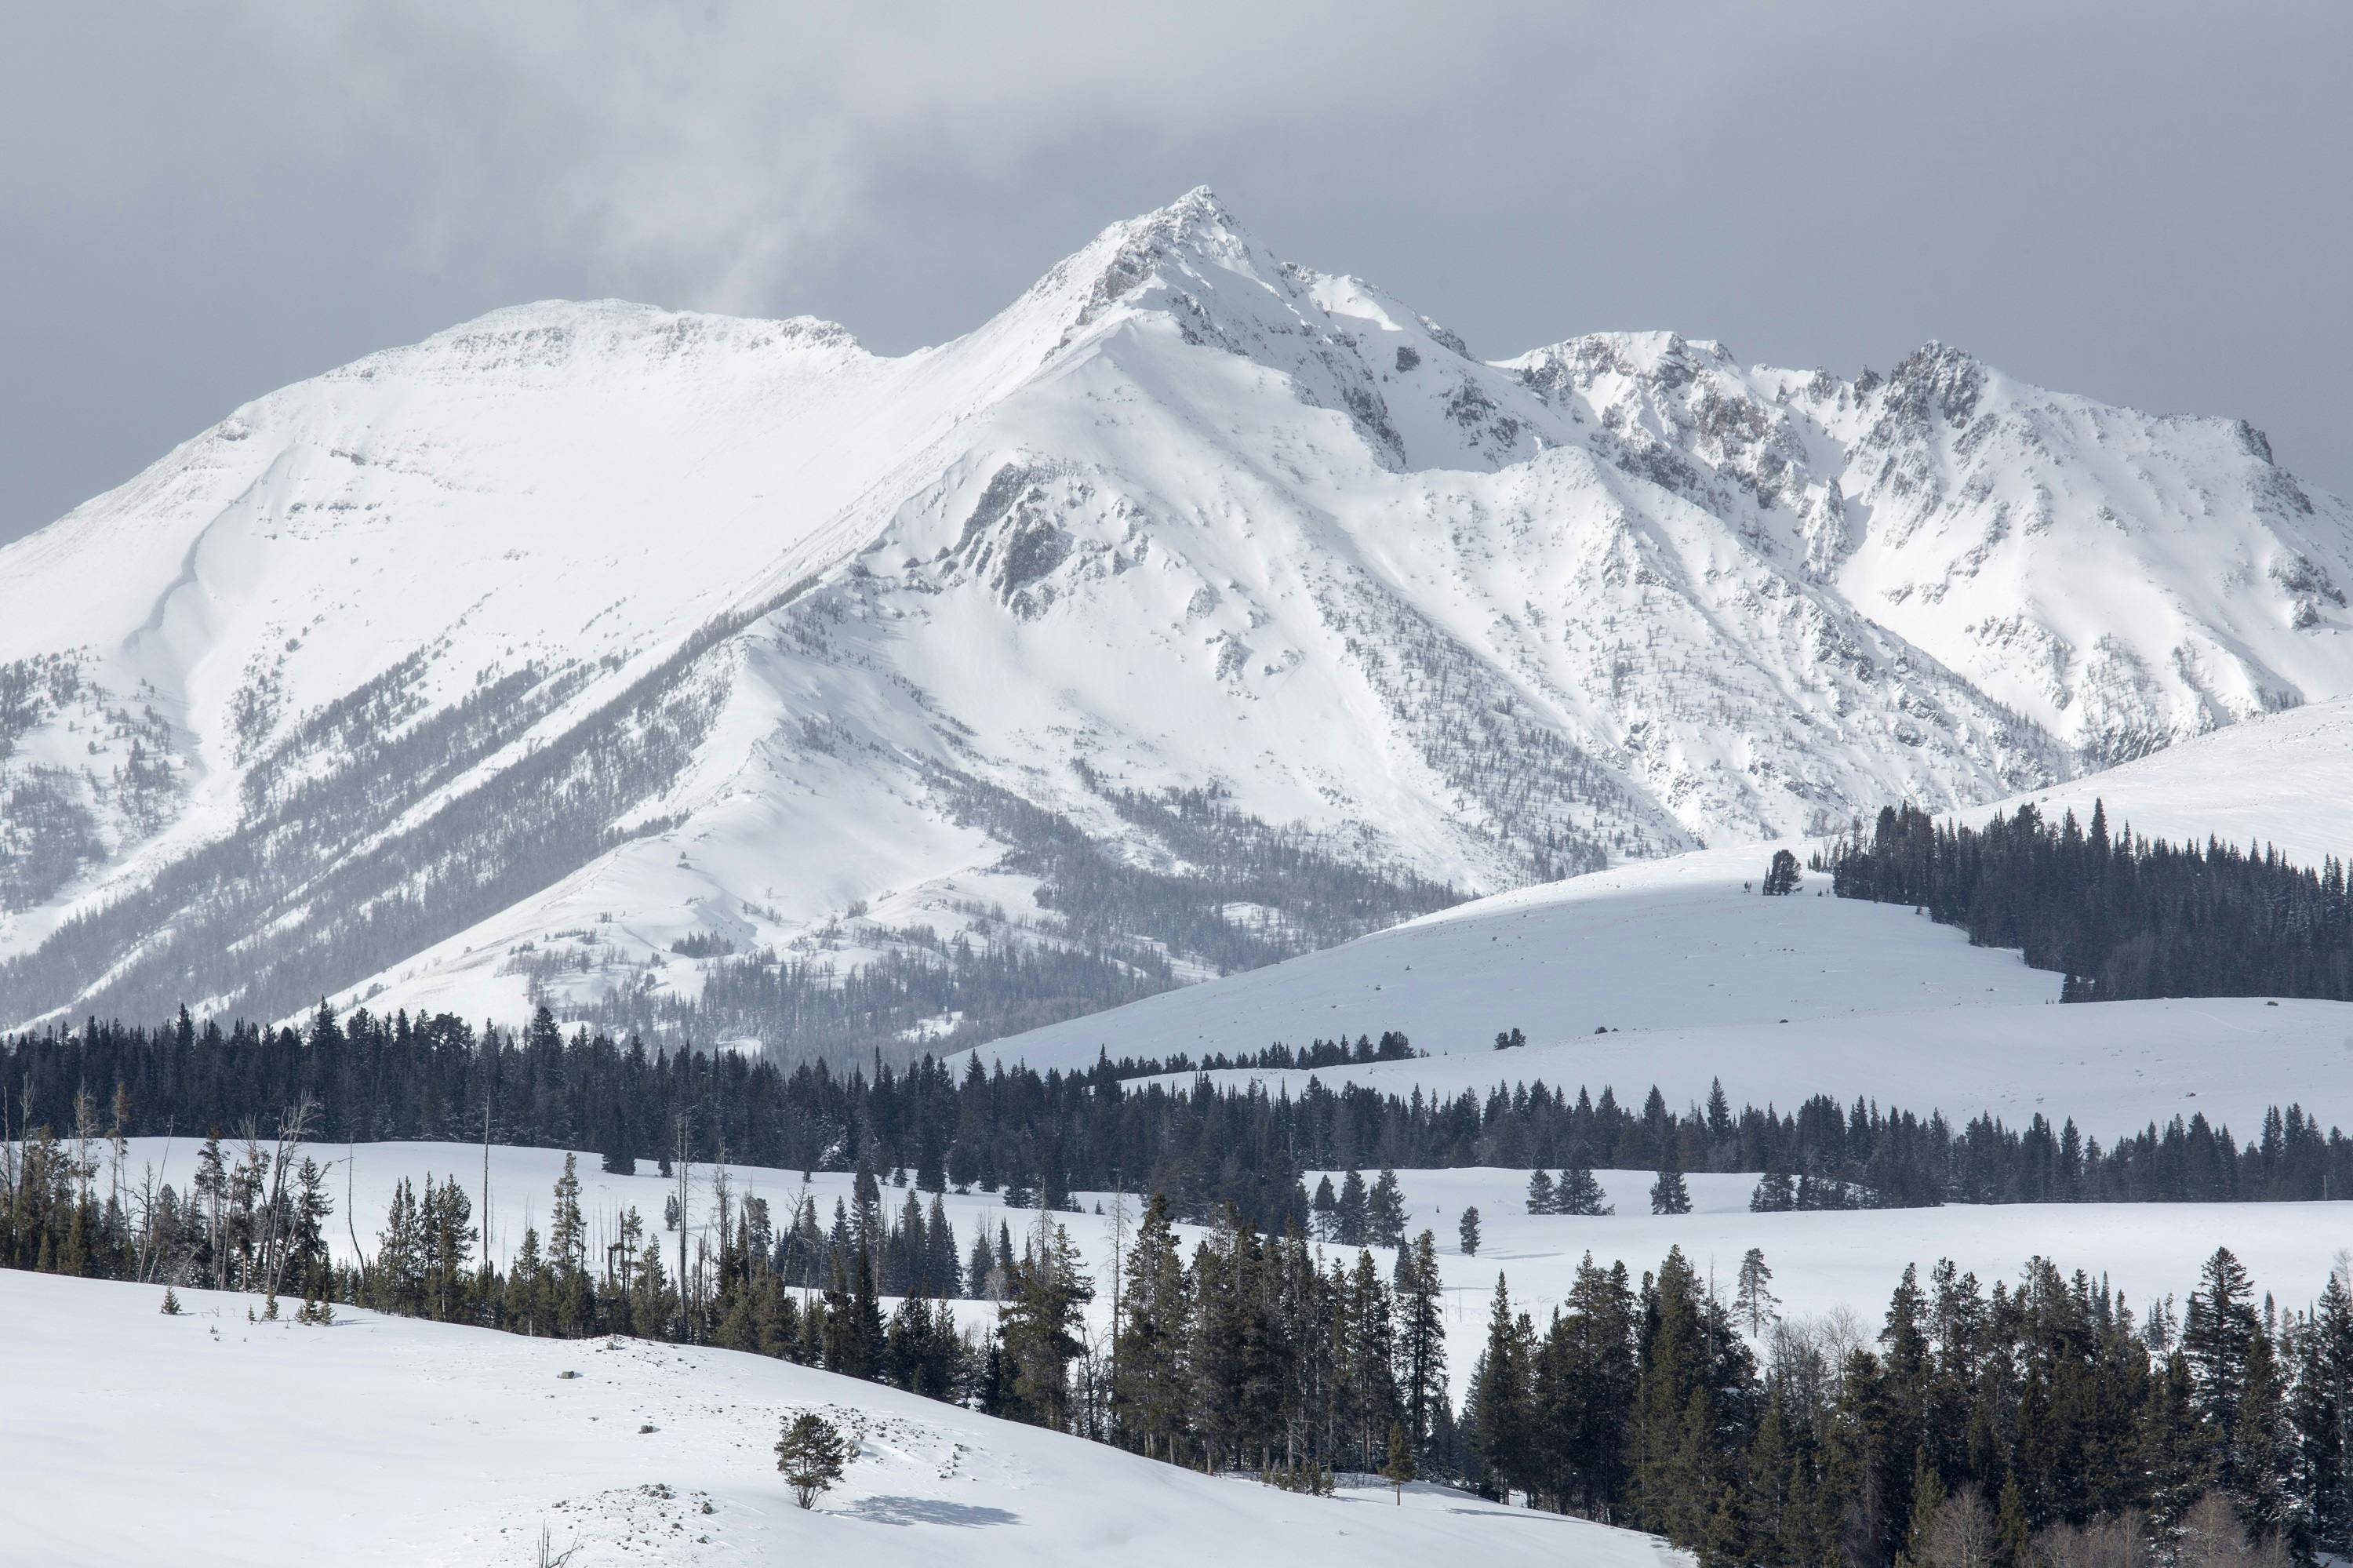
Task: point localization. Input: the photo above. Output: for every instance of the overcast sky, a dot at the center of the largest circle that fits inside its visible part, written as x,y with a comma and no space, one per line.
2149,202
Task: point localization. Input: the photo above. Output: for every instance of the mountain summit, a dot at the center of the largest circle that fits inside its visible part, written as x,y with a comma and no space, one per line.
1197,609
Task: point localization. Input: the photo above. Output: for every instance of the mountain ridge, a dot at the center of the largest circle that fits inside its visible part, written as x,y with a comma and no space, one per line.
489,670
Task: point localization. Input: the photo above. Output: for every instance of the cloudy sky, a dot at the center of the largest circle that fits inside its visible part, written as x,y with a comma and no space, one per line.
2149,202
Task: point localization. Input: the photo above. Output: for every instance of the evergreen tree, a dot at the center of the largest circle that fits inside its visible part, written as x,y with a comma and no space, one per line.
1668,1194
1398,1468
2218,1337
1038,1329
1468,1232
1149,1389
1753,1298
1420,1339
1540,1194
1385,1210
1579,1193
1500,1392
1352,1212
811,1455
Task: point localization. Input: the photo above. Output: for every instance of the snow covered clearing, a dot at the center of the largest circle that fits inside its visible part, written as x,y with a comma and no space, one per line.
1665,944
2111,1068
1822,1261
203,1439
1837,1262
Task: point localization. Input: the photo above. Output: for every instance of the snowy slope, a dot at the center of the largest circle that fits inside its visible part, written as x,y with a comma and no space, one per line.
2112,1067
1677,943
1696,980
2285,779
244,1451
488,668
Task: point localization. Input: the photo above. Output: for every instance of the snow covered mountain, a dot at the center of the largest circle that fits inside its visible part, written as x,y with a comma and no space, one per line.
570,650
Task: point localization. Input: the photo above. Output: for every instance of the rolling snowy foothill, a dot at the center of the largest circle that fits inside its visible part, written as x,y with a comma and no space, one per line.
204,1440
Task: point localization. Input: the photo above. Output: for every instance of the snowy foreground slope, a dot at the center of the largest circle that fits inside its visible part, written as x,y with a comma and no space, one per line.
132,1436
494,666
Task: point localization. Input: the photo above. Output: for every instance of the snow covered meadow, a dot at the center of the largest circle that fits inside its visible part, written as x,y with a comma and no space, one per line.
1825,1264
204,1440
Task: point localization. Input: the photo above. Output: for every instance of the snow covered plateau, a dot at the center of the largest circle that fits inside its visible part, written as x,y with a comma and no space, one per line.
569,652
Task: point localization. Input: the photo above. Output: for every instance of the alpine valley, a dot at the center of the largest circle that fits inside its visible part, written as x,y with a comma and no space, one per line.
720,679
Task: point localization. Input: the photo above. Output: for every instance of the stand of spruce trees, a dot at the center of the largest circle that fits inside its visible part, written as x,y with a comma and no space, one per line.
2036,1423
1042,1135
2122,916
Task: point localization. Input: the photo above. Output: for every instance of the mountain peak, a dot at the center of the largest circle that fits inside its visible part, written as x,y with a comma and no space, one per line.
1192,232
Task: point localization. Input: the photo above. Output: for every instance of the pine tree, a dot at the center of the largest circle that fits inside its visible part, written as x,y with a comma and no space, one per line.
1352,1212
2218,1338
1580,1193
1753,1298
172,1307
1325,1208
1398,1468
2013,1538
1149,1392
1668,1194
1468,1232
1421,1338
1781,875
811,1455
1540,1194
1386,1210
1498,1405
1038,1329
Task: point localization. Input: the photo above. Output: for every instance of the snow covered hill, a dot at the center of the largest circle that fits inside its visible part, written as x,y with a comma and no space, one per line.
566,651
2285,779
1696,980
239,1438
1677,943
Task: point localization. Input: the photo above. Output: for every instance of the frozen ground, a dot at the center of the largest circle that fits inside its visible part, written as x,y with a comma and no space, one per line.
202,1439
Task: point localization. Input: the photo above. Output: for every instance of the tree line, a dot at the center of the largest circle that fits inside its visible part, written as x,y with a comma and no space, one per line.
2044,1422
1039,1136
2122,916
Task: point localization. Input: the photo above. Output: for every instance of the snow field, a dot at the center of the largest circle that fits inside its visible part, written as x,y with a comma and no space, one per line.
1665,944
205,1440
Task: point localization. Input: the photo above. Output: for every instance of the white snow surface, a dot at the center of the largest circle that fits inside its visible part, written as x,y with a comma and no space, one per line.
2285,779
1185,512
381,1440
1677,943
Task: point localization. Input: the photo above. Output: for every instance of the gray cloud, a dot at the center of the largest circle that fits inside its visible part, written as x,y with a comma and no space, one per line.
2140,202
